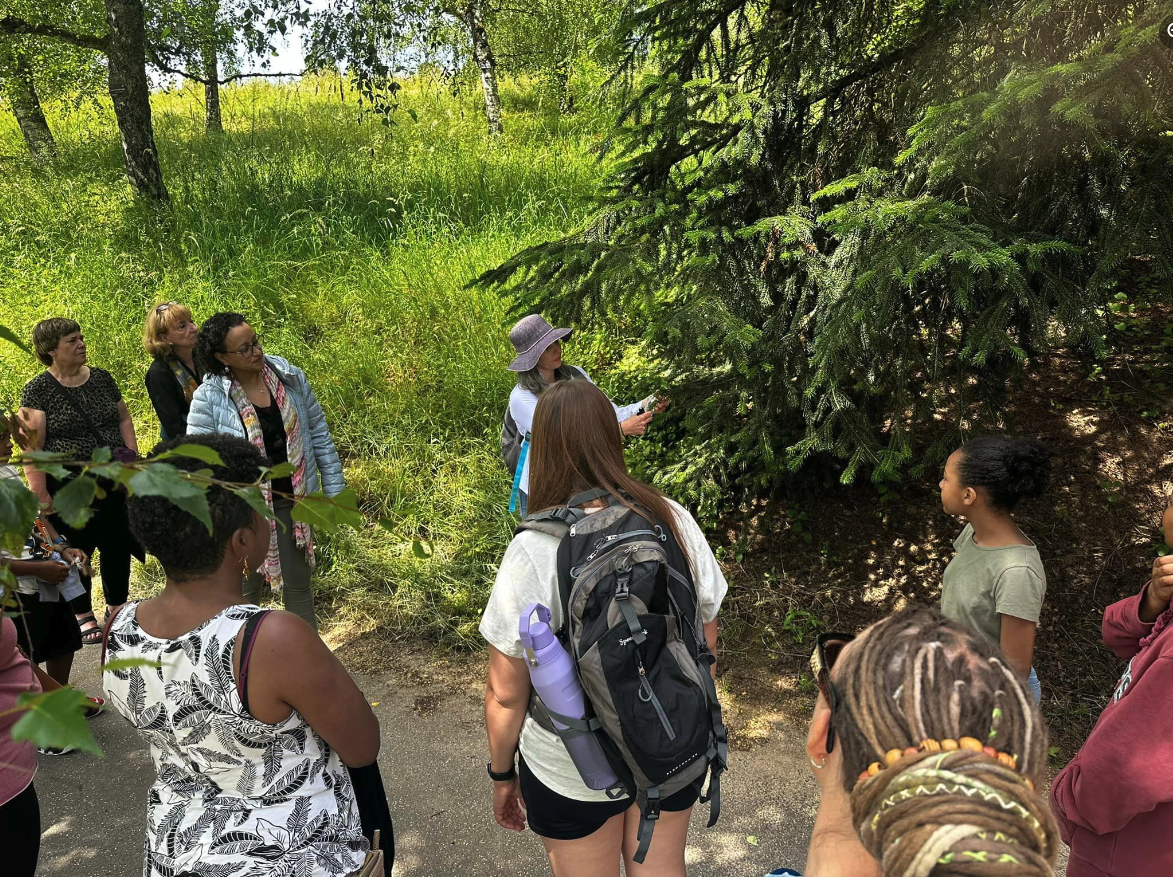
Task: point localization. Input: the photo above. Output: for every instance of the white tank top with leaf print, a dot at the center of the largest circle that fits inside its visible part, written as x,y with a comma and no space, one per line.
233,796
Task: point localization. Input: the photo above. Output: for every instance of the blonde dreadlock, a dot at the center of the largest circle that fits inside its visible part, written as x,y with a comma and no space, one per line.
916,676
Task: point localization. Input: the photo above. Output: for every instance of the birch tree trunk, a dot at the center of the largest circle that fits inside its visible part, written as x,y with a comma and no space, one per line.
213,122
132,98
482,54
26,106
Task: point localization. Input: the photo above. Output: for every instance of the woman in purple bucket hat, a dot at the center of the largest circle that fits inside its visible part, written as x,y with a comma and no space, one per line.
539,365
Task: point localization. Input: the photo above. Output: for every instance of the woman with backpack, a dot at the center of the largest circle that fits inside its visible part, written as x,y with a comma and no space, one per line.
539,366
587,832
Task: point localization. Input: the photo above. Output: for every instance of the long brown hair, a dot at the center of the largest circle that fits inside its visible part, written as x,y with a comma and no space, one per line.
917,676
577,446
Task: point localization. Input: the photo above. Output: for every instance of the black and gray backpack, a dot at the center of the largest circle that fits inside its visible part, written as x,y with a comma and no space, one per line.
511,437
633,626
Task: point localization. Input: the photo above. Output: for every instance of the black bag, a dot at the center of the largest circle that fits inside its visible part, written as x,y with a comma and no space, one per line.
634,629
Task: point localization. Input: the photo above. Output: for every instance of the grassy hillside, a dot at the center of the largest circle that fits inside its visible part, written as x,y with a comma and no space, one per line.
349,244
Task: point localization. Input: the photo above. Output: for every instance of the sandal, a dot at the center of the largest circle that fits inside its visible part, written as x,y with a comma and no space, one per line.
96,707
91,633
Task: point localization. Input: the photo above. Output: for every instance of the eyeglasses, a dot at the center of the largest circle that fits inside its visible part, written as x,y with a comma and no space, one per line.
828,647
248,348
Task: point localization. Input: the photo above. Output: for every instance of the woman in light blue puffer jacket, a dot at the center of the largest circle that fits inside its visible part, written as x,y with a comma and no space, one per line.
269,402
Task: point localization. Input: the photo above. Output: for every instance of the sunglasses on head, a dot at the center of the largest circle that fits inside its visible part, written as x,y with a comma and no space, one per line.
828,647
161,309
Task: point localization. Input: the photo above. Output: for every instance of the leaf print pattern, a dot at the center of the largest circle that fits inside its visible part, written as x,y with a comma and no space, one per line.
233,796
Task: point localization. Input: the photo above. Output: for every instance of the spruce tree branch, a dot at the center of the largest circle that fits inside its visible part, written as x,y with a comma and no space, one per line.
17,26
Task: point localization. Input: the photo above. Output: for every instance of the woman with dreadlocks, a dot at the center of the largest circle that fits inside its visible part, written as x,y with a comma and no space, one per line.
929,749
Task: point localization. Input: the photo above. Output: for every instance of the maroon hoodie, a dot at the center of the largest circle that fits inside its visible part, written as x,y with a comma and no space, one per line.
1114,801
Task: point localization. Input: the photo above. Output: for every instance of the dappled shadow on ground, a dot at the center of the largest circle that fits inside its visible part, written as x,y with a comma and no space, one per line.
844,558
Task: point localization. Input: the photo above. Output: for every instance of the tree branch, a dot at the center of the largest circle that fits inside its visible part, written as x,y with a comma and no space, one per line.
161,65
17,26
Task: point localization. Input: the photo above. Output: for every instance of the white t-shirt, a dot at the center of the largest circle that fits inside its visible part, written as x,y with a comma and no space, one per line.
522,404
529,574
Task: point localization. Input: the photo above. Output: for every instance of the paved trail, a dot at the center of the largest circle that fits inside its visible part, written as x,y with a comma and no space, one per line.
93,810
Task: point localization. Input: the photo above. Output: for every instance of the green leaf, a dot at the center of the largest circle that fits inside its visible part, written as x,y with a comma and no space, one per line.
163,479
255,498
18,510
751,839
55,469
199,452
127,663
418,549
73,501
281,470
55,719
318,510
101,455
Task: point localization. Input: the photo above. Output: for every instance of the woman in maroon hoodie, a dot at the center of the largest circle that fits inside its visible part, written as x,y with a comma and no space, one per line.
1114,801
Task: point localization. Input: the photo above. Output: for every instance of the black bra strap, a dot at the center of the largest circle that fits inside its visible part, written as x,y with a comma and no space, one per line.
246,648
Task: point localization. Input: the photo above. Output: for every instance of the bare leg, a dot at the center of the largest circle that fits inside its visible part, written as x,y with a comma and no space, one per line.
596,855
58,668
666,854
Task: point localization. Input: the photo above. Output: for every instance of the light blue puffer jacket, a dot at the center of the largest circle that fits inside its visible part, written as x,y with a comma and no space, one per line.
212,410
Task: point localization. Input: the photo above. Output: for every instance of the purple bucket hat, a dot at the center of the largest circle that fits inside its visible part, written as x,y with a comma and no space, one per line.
530,337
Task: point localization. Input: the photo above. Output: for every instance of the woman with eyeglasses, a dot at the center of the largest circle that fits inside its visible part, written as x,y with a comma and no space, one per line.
269,402
930,753
170,337
72,409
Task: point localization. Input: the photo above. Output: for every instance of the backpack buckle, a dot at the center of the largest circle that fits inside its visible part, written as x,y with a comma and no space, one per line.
622,588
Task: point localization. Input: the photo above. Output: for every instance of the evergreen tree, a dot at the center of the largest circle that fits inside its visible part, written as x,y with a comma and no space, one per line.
846,224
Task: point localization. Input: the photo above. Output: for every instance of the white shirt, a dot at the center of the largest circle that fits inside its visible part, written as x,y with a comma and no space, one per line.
24,584
522,404
529,574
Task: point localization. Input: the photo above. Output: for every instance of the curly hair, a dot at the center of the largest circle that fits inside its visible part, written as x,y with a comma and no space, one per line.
1009,468
182,543
916,676
210,341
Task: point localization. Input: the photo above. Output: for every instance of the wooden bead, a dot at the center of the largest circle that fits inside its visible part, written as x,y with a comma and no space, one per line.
930,745
970,743
949,745
1008,760
911,750
874,768
990,751
892,756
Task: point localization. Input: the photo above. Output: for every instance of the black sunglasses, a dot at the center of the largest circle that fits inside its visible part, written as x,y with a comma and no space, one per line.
828,647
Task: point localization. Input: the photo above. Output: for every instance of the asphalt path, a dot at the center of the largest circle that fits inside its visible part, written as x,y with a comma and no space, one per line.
93,810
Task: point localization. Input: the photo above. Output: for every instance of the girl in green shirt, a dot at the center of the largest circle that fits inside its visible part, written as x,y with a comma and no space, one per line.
995,583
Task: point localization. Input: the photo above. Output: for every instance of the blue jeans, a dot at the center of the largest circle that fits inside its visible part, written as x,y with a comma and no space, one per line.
1032,682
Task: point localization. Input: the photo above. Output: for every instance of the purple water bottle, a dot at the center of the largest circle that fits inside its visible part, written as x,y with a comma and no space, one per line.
551,669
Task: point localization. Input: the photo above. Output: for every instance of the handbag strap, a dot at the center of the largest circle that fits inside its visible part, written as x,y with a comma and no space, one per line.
81,412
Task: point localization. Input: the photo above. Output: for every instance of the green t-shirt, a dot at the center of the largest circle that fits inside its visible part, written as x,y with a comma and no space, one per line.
982,583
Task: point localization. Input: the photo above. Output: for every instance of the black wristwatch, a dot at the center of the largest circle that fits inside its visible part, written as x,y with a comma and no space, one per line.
501,777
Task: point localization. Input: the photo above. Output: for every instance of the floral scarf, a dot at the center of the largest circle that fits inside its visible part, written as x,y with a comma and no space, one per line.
302,533
187,380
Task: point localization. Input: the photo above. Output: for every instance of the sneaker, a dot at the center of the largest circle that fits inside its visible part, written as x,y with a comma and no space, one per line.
54,750
96,707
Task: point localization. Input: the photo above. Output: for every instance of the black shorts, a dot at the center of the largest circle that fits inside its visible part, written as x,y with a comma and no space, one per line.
559,818
52,630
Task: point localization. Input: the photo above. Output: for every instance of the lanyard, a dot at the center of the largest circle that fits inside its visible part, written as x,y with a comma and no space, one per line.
517,475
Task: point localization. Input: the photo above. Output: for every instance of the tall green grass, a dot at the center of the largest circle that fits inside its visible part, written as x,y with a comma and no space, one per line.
350,246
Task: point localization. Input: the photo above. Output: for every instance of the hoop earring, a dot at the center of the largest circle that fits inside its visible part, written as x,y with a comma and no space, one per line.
818,765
